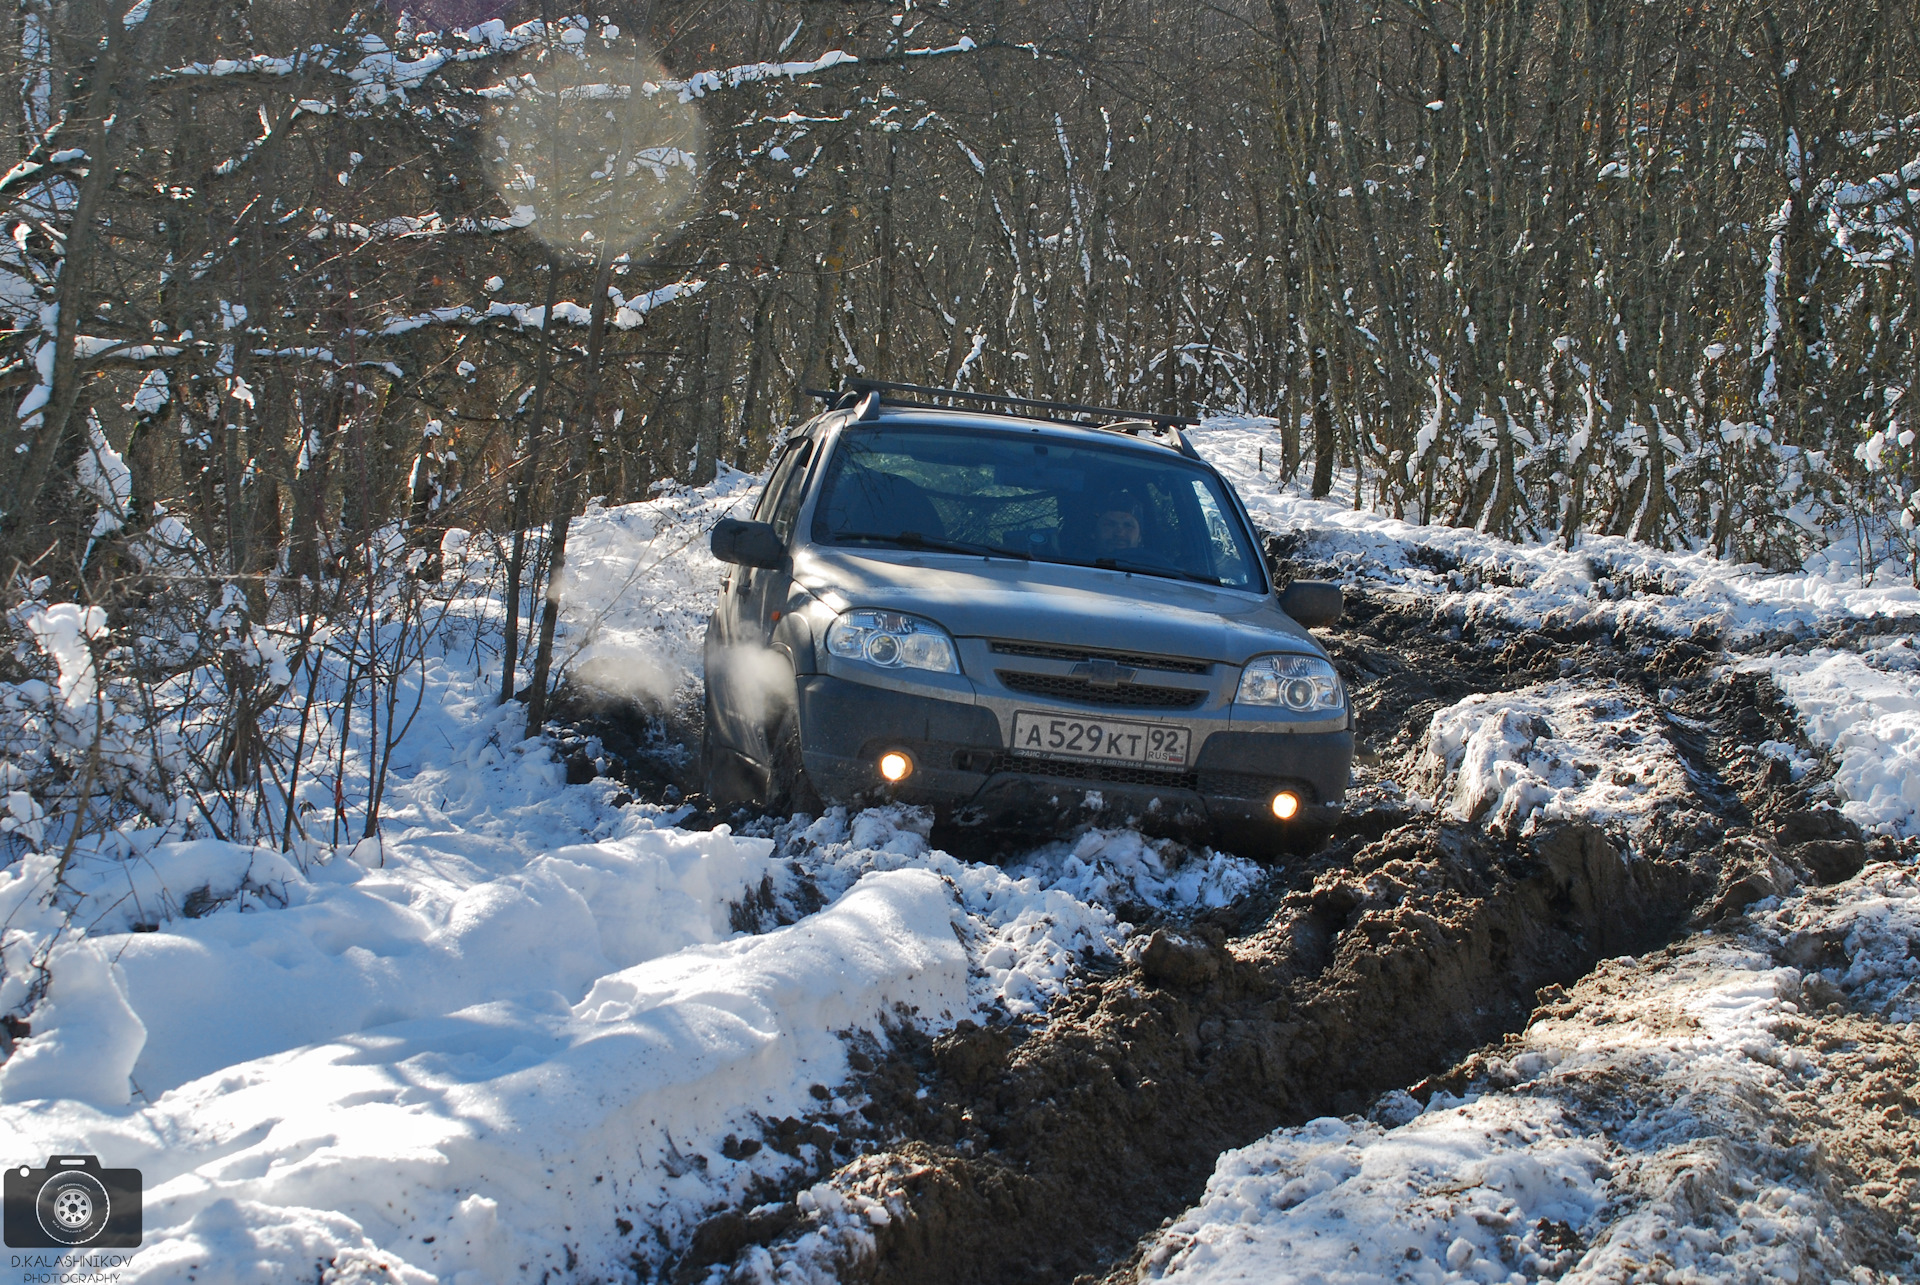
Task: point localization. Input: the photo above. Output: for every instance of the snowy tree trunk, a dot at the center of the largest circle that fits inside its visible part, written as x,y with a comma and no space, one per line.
1324,444
534,437
567,493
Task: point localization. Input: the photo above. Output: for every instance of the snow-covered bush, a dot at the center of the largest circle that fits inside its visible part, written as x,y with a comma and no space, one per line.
1891,460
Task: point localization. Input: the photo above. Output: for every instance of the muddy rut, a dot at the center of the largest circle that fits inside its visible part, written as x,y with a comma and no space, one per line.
1043,1153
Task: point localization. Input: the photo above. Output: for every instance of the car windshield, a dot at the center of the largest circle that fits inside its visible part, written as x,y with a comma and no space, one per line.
1021,496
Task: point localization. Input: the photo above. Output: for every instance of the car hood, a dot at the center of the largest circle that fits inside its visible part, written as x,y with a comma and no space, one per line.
1048,602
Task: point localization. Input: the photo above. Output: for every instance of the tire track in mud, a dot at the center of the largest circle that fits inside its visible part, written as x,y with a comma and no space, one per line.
1040,1161
1040,1155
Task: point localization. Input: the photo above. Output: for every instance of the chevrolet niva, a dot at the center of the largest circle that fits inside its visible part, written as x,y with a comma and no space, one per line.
1025,618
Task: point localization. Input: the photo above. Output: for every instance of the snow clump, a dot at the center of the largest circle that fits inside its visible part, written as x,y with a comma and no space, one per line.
1554,752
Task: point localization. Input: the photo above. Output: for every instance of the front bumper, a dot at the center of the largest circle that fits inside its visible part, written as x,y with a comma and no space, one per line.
963,769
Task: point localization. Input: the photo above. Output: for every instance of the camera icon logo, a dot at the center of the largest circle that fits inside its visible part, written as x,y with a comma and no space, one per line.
71,1202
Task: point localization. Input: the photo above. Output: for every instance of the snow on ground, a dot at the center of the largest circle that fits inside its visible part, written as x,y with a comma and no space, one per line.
512,1035
1858,688
1660,1144
1602,584
1866,705
1030,924
420,1037
508,1136
515,1032
303,958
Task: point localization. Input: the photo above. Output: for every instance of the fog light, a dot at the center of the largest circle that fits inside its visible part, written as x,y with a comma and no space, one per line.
1286,805
895,766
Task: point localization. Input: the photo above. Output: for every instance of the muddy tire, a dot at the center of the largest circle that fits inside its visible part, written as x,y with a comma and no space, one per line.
788,789
720,772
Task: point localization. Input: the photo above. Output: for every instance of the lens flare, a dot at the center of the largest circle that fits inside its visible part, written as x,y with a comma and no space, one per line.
586,137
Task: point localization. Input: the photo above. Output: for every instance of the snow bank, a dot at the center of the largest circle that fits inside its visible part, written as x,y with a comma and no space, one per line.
1866,707
1871,923
172,880
303,958
90,1036
519,1137
1550,753
1436,1200
1112,867
1605,583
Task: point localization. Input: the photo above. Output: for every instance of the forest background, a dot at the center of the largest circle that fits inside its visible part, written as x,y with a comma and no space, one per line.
297,288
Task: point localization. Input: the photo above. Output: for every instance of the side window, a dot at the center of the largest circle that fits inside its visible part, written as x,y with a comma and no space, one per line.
792,487
1228,563
777,479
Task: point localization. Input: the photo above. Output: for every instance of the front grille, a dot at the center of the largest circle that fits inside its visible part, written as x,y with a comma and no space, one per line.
1116,773
1131,659
1126,695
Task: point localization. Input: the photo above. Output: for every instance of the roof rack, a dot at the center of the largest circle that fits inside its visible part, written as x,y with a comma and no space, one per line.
869,394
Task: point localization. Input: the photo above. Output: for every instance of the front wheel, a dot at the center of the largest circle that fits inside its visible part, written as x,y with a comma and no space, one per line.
788,789
720,772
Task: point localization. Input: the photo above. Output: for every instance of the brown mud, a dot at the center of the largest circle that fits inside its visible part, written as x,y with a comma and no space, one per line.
1867,1127
650,748
1042,1153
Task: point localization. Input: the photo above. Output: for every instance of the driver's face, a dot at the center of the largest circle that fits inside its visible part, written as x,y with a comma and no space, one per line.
1117,529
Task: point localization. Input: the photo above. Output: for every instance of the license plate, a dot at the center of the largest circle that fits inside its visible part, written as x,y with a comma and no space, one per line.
1110,740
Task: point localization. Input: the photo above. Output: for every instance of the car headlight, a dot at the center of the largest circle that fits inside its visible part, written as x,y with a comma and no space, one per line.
1303,684
892,640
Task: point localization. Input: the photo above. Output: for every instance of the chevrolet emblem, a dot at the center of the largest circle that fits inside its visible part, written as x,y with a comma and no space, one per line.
1100,672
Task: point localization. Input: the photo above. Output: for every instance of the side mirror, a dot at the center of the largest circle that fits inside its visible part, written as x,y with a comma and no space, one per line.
1314,603
747,544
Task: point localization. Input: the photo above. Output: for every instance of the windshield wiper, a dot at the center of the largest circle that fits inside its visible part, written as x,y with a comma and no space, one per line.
914,540
1165,573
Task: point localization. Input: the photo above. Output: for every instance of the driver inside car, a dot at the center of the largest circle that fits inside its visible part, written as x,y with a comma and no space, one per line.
1116,525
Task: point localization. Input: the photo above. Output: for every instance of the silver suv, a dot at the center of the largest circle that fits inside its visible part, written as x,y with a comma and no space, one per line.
1023,621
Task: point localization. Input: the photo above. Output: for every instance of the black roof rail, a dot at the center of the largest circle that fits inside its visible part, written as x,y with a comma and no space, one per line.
856,391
